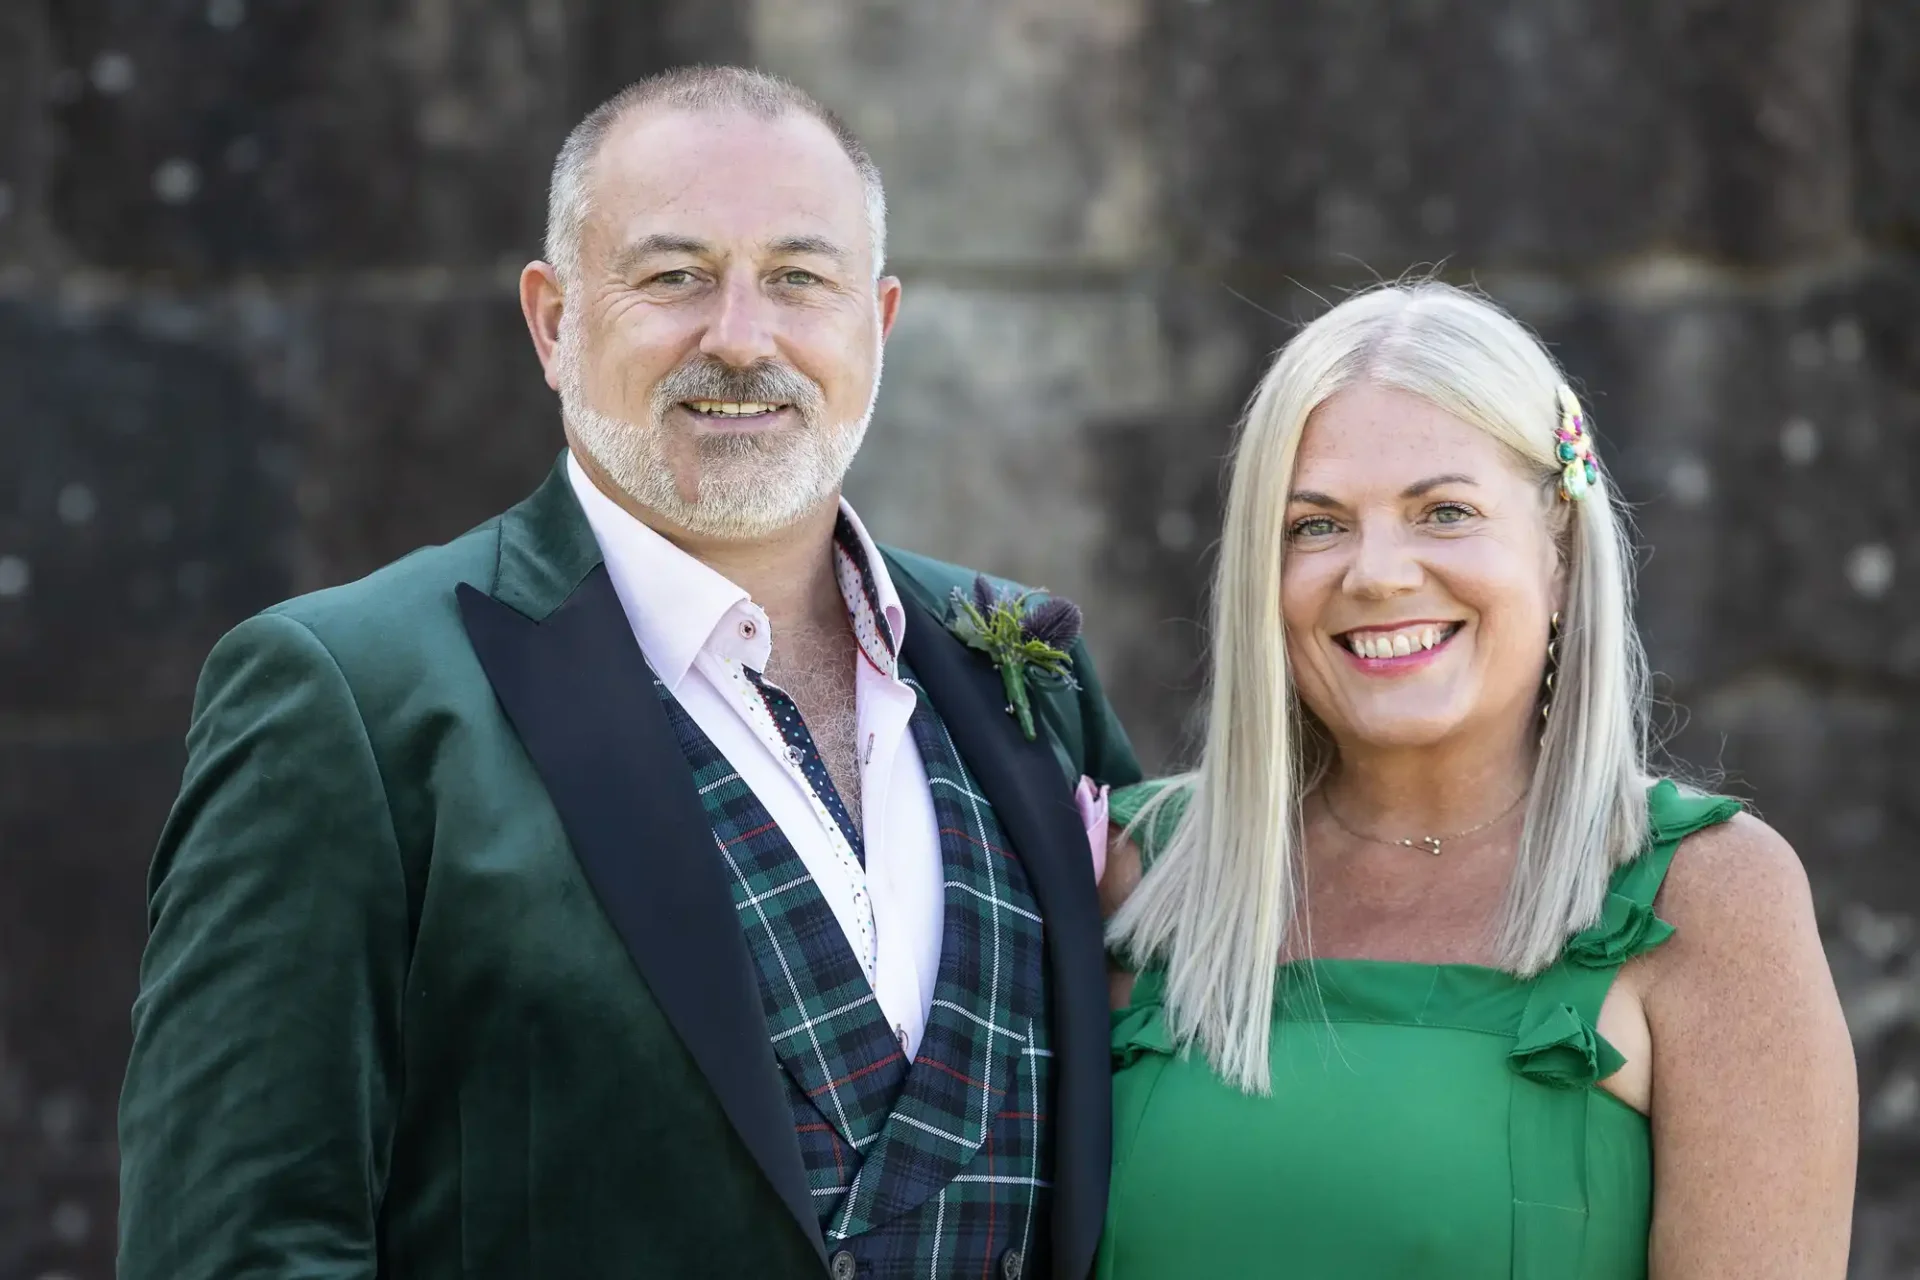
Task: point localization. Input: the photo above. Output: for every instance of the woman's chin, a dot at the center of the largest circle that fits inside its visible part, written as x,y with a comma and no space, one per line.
1400,730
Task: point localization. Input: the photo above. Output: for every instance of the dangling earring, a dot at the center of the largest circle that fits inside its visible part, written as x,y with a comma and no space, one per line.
1553,665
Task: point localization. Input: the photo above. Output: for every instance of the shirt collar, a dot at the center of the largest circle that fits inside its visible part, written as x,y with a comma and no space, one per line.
675,603
873,606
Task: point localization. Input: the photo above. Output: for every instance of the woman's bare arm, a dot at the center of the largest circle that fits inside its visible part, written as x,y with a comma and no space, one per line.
1755,1096
1116,883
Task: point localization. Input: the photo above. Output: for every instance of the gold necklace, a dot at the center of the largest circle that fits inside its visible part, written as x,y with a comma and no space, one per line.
1427,844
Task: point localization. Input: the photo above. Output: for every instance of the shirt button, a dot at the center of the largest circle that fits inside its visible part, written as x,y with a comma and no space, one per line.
843,1267
795,756
748,630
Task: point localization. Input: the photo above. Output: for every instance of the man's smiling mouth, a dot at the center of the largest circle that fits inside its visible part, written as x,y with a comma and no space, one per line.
731,408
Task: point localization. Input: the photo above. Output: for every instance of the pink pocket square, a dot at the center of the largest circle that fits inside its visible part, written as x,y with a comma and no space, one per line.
1092,802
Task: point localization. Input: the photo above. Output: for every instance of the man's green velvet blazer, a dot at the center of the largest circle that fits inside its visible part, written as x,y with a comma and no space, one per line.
443,978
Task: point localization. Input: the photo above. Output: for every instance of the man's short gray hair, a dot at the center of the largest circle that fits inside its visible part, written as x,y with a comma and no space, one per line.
569,199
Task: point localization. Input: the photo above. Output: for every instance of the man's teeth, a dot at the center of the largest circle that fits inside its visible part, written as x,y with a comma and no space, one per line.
732,408
1396,644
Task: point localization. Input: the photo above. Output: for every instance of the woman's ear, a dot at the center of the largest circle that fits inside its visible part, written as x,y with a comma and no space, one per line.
1560,533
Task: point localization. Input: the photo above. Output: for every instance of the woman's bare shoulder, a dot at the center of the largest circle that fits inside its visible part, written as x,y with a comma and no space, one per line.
1746,942
1123,872
1755,1103
1739,882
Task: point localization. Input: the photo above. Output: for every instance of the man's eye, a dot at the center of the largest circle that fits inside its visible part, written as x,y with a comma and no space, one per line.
672,278
797,276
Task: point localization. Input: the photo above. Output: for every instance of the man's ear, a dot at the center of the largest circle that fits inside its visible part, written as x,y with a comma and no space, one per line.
541,302
888,290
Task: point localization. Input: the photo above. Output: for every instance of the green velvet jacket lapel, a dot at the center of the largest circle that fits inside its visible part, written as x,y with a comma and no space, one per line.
558,650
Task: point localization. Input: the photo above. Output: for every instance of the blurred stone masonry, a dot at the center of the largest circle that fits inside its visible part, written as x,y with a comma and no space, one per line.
257,335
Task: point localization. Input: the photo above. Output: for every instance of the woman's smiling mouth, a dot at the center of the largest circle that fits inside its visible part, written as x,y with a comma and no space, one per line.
1398,647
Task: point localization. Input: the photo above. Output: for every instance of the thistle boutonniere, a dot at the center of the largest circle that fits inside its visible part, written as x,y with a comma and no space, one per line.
1028,641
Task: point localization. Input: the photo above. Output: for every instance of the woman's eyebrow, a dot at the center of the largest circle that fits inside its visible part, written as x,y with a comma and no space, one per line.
1434,482
1314,498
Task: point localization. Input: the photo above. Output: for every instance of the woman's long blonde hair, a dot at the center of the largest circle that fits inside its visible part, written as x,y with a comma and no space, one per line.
1220,904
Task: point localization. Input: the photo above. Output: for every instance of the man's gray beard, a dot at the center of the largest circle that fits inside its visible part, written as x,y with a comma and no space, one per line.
750,485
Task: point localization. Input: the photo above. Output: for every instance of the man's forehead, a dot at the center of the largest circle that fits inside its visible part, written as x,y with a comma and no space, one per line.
726,162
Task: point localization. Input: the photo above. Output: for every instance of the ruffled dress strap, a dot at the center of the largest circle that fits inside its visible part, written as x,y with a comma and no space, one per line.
1672,816
1558,1045
1577,984
1141,1027
1126,804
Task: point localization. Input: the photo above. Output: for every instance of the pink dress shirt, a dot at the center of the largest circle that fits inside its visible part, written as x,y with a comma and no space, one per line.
698,630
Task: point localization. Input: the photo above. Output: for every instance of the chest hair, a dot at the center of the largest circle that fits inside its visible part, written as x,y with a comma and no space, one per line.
816,666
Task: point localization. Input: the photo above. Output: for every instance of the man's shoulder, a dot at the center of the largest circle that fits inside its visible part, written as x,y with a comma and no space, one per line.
402,604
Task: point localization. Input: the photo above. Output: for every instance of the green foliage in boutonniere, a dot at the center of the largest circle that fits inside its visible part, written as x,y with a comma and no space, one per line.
1028,641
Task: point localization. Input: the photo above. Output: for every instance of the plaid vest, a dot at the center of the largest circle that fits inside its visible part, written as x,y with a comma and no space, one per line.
936,1167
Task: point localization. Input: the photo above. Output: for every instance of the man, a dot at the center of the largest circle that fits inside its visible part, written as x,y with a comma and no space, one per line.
647,883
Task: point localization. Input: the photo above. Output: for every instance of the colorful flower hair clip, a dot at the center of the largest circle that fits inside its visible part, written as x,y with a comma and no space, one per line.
1573,449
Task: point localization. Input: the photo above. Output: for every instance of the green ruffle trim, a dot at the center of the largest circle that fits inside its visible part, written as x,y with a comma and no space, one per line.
1126,803
1563,1049
1674,814
1627,928
1139,1030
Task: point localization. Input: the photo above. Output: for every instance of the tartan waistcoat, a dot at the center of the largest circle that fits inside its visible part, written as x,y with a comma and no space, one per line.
930,1168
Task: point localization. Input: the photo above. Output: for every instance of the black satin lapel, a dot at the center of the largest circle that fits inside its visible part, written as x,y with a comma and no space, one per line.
581,697
1031,798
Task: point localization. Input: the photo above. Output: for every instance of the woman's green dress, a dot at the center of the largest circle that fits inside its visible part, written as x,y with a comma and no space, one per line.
1432,1121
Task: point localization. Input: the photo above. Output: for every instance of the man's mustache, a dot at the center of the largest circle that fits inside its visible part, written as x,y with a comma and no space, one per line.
764,381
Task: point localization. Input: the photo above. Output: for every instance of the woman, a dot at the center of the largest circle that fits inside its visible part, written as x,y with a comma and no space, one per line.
1433,979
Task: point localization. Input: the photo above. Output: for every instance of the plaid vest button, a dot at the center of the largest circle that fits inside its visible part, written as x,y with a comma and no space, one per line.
842,1266
1011,1265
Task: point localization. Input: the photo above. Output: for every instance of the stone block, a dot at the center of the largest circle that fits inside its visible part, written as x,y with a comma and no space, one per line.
974,452
78,821
1546,133
1823,766
146,506
1887,119
211,135
175,464
422,413
1010,131
23,135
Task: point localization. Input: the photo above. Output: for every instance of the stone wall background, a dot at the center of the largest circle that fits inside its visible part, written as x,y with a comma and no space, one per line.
257,334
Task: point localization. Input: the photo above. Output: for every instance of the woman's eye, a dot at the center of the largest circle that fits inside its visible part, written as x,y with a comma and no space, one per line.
1452,513
1313,527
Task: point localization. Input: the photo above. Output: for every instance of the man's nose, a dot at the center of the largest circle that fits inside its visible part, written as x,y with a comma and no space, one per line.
740,331
1383,564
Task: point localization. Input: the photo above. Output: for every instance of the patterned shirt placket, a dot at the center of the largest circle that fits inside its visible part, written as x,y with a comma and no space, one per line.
777,721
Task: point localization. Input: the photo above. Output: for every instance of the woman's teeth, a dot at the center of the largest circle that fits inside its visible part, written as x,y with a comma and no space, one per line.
1395,644
732,408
